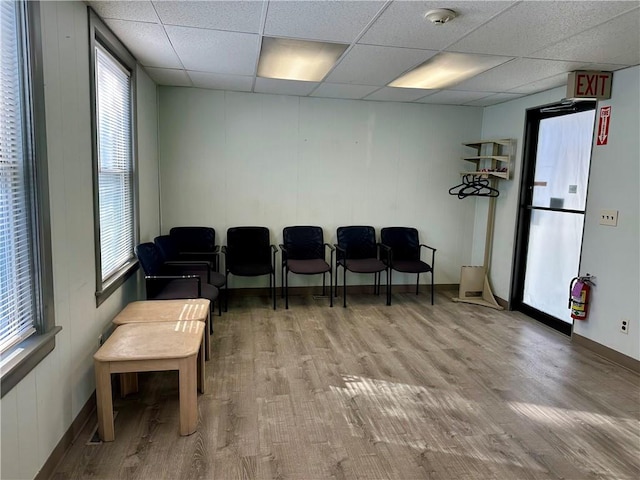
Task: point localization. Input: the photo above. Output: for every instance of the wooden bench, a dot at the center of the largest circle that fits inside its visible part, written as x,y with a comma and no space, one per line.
147,347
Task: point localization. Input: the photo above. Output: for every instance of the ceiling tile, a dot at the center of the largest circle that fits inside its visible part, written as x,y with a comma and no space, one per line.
403,23
543,84
494,99
453,97
616,41
165,76
147,41
341,90
391,94
232,16
216,81
139,11
532,25
516,73
320,20
283,87
215,51
373,65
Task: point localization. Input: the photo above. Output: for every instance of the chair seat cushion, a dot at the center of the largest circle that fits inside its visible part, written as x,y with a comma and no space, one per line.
175,289
410,266
365,265
308,267
251,269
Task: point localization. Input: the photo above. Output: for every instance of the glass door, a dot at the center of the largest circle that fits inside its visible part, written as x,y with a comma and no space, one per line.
551,217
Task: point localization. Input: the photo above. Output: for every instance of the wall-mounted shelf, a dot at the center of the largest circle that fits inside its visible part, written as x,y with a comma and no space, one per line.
492,158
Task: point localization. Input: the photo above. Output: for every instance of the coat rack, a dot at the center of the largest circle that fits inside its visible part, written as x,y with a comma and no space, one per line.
483,182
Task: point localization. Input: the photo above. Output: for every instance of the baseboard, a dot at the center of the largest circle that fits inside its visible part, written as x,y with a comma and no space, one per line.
67,439
352,289
502,302
606,352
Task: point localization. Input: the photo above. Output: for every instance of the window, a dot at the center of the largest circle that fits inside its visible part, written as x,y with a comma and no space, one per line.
115,197
27,329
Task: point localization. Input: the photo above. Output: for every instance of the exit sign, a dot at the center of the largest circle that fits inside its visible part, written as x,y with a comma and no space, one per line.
586,84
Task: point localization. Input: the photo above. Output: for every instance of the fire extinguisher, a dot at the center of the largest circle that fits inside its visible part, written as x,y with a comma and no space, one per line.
579,291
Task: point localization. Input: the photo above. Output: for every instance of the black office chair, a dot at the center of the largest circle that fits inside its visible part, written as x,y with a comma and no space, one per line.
249,253
171,256
357,251
170,282
196,243
403,253
303,252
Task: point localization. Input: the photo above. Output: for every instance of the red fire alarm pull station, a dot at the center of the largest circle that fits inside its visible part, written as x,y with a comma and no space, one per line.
588,84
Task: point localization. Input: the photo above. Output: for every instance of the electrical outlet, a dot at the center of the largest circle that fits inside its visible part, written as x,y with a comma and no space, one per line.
624,326
609,217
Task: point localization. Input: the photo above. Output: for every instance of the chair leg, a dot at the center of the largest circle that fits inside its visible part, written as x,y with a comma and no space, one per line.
431,287
344,287
330,287
219,303
335,289
286,289
226,291
324,280
282,276
272,287
211,309
389,284
375,283
417,283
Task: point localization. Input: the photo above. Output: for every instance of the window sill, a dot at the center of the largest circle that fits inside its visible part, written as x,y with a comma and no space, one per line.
116,280
24,357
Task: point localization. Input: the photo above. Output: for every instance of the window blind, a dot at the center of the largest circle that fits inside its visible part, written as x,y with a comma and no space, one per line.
115,163
17,277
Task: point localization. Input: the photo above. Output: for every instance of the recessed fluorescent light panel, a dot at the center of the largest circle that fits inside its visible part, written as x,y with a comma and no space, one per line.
446,69
302,60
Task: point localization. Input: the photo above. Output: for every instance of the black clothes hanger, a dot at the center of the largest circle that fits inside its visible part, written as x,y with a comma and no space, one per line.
474,186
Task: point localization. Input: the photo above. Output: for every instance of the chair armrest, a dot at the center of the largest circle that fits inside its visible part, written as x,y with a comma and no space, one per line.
427,246
192,263
284,253
274,249
388,252
200,263
332,249
433,255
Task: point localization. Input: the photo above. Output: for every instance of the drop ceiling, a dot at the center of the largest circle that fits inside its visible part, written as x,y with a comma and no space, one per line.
216,44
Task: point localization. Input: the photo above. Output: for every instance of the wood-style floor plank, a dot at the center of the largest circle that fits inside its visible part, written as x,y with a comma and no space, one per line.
411,391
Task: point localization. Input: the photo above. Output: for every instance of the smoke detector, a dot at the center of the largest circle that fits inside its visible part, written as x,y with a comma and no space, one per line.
440,16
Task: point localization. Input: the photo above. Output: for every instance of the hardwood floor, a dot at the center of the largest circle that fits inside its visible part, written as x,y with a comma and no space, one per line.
411,391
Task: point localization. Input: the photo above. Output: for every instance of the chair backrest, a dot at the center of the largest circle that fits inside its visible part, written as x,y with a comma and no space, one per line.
303,242
403,241
248,246
194,239
167,246
358,241
150,258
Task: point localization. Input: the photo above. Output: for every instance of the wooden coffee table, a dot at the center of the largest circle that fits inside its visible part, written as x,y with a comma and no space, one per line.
168,311
146,347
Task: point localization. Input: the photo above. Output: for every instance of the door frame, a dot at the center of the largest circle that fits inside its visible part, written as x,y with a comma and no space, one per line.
533,117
